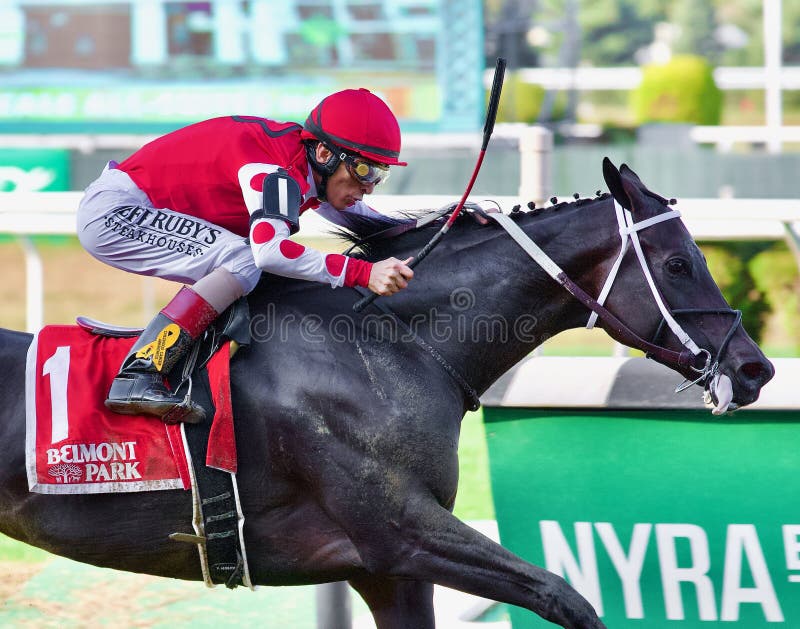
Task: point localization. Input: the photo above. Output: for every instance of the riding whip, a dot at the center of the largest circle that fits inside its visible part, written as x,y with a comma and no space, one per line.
488,127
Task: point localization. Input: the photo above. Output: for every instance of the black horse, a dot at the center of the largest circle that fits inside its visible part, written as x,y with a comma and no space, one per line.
348,424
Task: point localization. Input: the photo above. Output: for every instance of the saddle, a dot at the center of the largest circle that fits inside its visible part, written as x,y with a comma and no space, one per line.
217,520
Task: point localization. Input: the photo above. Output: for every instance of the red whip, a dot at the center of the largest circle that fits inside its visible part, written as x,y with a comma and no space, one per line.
488,127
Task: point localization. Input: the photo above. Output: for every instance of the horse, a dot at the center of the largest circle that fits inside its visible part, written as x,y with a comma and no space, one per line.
347,425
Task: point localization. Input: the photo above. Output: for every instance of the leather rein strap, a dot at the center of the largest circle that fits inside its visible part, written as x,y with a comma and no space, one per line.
684,358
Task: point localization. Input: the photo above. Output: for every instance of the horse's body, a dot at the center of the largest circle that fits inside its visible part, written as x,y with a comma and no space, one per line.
347,435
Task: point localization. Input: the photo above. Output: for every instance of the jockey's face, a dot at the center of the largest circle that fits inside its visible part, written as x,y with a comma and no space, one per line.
342,190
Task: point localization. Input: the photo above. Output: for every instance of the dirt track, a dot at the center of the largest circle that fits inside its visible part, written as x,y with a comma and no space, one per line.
15,575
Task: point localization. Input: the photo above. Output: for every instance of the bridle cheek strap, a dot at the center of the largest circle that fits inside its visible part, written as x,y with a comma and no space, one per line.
683,359
629,230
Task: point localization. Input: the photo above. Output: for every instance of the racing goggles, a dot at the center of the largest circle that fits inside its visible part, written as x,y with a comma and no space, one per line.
364,172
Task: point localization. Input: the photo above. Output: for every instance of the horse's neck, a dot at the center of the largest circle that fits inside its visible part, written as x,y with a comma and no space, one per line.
479,299
486,316
506,327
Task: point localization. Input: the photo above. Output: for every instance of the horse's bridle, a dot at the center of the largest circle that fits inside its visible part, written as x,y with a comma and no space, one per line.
628,230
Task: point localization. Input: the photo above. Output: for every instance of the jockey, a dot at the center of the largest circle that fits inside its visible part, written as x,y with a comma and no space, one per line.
213,205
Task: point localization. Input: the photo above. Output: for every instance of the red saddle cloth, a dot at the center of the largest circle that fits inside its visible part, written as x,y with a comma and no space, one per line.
74,445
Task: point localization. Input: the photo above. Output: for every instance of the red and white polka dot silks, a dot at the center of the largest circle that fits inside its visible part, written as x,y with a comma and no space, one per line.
275,253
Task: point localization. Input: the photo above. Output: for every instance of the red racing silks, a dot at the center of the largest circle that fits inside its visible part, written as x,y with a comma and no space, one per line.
357,273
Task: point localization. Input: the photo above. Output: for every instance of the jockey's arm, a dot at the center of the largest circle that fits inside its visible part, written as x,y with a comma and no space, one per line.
273,250
341,217
387,276
276,253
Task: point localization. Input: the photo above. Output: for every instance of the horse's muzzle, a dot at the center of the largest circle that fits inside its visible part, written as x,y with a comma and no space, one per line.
748,378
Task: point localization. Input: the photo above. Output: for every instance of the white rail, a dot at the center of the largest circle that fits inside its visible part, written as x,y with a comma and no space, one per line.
726,136
628,78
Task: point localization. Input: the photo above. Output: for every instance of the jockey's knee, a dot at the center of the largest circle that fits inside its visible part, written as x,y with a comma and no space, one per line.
248,278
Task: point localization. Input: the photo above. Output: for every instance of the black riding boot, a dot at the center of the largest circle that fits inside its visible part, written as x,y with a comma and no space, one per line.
139,387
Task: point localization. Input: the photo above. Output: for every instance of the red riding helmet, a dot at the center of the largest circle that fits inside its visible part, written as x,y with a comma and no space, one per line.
359,122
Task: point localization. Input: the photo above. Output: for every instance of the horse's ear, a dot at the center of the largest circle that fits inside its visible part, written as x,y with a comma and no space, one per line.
630,180
641,198
614,182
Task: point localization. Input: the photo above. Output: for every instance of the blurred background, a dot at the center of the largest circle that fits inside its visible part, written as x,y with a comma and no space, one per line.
700,97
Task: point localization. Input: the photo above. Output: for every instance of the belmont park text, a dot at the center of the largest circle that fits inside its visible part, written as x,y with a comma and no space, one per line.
436,325
101,462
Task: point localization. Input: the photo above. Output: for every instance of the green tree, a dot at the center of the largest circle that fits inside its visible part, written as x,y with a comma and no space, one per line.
697,21
728,265
613,30
747,15
682,90
775,276
791,27
610,31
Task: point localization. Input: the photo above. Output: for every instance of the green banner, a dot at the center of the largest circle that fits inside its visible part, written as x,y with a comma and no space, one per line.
34,170
189,103
660,518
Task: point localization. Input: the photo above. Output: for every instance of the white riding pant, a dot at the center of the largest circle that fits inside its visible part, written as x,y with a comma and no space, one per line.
118,225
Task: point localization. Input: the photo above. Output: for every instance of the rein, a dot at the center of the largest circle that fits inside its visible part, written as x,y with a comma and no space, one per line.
628,230
488,127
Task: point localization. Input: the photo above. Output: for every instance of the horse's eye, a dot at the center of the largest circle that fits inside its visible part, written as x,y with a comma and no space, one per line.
677,266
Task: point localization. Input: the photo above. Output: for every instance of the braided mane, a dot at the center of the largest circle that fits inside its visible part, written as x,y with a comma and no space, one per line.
365,232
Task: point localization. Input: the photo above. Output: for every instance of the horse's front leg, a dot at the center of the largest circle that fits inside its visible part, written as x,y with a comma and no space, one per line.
444,550
397,603
408,535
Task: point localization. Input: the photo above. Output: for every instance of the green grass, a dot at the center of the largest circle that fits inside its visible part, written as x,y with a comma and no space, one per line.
12,550
474,500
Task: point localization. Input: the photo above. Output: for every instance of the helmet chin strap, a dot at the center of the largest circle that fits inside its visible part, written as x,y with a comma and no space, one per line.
325,170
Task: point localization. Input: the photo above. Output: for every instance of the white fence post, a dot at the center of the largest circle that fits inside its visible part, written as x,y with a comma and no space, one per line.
773,63
535,161
333,606
34,285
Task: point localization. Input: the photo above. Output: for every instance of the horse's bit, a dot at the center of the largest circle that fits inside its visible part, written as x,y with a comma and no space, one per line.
628,230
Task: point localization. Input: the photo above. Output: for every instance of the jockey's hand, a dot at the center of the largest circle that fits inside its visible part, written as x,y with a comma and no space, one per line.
390,276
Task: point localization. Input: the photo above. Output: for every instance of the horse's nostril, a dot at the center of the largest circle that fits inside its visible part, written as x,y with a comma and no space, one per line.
753,370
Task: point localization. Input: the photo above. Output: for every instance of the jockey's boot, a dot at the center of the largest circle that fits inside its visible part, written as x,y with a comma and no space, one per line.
139,388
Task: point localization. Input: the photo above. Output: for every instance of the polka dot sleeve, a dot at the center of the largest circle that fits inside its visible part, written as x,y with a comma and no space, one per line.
274,252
